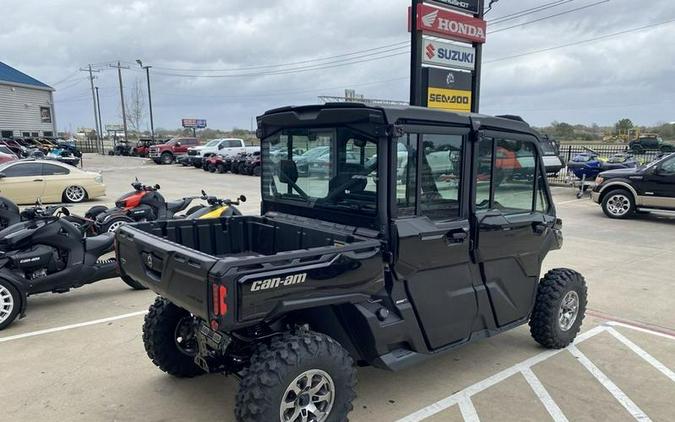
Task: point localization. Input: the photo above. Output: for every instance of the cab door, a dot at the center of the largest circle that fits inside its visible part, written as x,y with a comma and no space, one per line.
512,222
22,182
658,185
433,249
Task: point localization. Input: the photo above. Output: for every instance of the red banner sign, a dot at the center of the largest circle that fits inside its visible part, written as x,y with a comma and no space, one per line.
449,24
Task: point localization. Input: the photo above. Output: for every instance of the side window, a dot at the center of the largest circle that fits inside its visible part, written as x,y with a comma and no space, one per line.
406,174
507,168
23,170
231,143
51,170
543,204
668,167
440,171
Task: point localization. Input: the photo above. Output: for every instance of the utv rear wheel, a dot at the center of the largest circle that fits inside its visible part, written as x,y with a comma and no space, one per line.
169,339
559,309
304,376
618,203
10,304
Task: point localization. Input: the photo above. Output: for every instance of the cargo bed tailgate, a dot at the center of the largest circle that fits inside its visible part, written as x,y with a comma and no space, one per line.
171,270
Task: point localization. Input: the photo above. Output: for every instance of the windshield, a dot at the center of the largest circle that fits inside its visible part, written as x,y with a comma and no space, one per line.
213,143
327,167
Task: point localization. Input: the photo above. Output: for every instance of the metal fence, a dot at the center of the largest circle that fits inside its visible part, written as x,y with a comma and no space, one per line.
569,151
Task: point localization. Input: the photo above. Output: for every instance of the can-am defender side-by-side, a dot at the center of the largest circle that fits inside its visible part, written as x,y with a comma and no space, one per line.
47,253
361,264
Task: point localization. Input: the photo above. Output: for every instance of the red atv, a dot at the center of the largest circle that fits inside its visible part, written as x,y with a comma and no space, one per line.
142,148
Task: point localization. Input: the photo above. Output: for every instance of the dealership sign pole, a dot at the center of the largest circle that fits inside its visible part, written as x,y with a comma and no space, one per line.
446,53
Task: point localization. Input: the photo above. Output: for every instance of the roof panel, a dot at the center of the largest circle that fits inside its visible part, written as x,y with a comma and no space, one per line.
11,75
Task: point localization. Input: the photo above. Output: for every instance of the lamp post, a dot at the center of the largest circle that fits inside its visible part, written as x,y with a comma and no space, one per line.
147,74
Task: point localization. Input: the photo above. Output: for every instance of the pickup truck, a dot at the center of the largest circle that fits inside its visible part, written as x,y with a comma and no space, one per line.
360,265
167,152
228,147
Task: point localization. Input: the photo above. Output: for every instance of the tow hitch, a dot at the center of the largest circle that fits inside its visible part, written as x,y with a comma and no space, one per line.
211,345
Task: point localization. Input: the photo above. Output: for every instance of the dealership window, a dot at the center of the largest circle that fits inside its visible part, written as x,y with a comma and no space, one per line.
35,134
25,134
6,134
507,170
48,134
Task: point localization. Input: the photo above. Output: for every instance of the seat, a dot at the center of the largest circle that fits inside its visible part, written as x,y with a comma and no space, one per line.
175,206
100,243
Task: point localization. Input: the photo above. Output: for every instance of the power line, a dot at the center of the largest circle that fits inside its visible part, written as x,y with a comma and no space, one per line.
530,11
66,79
586,41
550,16
318,59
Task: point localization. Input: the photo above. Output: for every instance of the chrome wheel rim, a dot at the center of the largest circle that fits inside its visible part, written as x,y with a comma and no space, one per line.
75,193
618,205
6,304
309,398
114,226
569,309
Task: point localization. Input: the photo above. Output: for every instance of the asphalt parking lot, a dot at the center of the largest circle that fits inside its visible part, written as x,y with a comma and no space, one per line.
79,356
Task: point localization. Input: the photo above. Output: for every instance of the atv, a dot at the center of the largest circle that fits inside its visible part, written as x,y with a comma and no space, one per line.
217,208
144,203
358,266
46,253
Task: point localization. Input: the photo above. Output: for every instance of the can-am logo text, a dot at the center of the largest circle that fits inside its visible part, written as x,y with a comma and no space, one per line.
273,283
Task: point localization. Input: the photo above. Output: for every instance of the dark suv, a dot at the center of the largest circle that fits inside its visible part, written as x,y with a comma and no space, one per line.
622,192
360,265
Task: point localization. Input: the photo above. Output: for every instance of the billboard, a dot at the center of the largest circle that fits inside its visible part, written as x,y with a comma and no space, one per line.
114,128
194,123
448,24
469,6
446,54
449,89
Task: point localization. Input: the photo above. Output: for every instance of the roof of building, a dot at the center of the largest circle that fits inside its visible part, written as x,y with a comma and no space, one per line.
12,76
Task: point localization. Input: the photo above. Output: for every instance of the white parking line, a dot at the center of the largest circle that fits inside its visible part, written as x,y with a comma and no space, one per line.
644,355
641,329
613,389
468,410
70,327
449,401
544,397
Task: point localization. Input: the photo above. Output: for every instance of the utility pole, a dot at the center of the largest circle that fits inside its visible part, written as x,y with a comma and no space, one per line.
475,96
124,112
416,44
100,123
93,97
147,74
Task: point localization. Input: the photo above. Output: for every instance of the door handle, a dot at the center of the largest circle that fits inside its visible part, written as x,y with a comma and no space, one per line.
539,228
38,180
457,236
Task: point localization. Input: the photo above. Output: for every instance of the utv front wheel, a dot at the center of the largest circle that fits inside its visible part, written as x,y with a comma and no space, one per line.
559,309
305,376
169,339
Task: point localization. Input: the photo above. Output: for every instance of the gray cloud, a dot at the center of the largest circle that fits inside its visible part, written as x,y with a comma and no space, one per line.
629,75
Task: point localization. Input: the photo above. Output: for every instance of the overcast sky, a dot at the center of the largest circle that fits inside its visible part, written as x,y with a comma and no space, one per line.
631,75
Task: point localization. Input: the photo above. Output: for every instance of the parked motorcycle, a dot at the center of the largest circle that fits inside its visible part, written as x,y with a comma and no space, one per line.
144,203
217,208
46,253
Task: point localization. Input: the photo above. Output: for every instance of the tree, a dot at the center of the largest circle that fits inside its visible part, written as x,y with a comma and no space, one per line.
623,125
136,110
562,130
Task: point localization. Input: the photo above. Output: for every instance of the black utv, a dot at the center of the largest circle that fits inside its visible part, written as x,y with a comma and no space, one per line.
363,267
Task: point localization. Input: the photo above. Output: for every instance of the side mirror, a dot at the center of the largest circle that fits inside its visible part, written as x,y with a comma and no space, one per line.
221,146
203,192
242,198
2,175
157,187
178,144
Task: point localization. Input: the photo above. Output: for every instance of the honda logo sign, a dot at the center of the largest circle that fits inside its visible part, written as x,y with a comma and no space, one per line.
449,24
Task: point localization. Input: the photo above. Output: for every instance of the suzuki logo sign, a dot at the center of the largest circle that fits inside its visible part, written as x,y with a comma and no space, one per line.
450,24
448,54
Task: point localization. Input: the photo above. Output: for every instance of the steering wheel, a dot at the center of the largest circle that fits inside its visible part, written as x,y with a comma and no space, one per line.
340,189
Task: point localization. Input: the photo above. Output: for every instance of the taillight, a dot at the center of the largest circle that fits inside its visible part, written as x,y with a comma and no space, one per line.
218,298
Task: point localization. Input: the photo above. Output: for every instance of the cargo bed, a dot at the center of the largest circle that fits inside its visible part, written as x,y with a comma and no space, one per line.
261,261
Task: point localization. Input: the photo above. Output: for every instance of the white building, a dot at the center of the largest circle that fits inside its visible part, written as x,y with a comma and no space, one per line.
26,105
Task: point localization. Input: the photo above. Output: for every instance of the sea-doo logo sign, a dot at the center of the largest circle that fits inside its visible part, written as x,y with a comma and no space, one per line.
450,24
273,283
446,54
449,89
